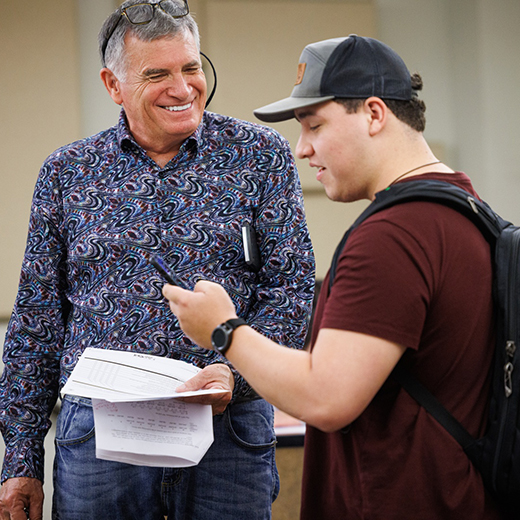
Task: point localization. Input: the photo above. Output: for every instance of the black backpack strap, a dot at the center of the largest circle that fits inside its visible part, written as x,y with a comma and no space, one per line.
430,403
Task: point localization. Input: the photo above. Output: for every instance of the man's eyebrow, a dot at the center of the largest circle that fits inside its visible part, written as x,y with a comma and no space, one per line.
303,114
153,72
193,63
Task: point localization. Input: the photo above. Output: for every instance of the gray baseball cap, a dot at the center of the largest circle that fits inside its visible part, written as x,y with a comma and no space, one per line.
352,67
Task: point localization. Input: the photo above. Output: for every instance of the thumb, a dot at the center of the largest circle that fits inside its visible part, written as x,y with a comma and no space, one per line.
195,383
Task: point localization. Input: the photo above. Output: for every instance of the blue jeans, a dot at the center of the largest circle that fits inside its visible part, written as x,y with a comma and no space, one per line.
236,479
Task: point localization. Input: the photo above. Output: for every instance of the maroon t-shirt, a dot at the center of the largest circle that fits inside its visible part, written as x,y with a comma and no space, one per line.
418,274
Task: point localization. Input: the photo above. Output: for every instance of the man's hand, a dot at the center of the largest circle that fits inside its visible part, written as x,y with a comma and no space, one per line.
21,498
213,376
201,310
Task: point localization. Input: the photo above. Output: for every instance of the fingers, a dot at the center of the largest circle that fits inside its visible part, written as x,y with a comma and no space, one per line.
218,401
197,382
173,294
217,375
176,294
35,511
201,310
213,376
220,405
21,498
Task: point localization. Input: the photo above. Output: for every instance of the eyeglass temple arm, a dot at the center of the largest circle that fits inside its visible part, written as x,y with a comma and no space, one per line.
105,43
215,80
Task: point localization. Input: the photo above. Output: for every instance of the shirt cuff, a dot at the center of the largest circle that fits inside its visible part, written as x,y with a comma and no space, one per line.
24,458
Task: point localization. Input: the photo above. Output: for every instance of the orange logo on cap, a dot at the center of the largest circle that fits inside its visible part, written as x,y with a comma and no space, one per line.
301,72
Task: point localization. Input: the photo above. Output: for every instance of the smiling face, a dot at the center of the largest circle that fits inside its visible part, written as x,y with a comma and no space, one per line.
163,92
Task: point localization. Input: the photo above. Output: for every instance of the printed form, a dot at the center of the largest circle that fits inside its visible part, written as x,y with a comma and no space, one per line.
137,415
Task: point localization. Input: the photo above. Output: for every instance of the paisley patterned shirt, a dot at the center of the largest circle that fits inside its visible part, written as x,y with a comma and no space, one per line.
101,208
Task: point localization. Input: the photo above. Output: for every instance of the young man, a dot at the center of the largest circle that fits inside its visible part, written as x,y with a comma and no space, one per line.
414,281
169,179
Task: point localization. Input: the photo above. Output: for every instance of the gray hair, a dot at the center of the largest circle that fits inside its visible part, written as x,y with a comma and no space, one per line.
161,26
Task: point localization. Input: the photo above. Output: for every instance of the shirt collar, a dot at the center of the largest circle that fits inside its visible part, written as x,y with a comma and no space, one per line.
127,142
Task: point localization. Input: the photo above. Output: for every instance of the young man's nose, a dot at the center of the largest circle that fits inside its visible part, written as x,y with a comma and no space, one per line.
303,148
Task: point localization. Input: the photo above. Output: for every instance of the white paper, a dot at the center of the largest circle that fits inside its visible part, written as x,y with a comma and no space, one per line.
137,418
165,433
114,375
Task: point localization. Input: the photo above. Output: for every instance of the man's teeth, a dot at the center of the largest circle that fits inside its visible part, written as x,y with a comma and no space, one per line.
178,108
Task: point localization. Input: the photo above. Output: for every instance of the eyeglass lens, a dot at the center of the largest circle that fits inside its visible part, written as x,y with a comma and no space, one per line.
143,13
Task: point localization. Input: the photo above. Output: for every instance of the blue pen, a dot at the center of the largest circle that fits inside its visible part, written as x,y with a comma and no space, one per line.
164,270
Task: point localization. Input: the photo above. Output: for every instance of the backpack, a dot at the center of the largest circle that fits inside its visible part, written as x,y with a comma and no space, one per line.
497,454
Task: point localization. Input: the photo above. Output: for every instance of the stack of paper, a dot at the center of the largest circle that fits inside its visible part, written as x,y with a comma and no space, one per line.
138,416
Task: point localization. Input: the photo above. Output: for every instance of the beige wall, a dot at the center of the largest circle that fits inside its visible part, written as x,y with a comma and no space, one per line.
39,111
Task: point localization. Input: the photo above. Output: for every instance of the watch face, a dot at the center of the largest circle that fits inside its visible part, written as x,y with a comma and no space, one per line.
219,337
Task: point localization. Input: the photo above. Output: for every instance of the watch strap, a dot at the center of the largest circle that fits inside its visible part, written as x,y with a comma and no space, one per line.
234,323
227,329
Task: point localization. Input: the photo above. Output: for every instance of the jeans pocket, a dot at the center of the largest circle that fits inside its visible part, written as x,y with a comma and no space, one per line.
75,423
251,424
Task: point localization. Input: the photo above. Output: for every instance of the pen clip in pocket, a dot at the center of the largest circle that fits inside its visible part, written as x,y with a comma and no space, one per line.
251,251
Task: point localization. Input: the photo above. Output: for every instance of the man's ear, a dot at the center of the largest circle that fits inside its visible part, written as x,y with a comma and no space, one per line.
112,85
377,112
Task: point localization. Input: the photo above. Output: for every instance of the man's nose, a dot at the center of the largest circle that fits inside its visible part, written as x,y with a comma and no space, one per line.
178,86
303,148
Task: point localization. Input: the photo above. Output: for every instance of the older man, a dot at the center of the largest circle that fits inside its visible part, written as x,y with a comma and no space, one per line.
174,180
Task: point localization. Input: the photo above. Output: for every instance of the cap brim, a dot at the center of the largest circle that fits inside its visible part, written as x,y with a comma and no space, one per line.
284,109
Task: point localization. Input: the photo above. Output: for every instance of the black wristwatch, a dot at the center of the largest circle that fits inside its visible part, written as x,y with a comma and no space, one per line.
221,336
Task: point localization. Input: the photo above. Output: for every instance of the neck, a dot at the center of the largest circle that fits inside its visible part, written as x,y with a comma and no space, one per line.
414,170
404,153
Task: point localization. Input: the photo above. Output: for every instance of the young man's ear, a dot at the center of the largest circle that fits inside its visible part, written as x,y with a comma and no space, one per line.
377,112
112,85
